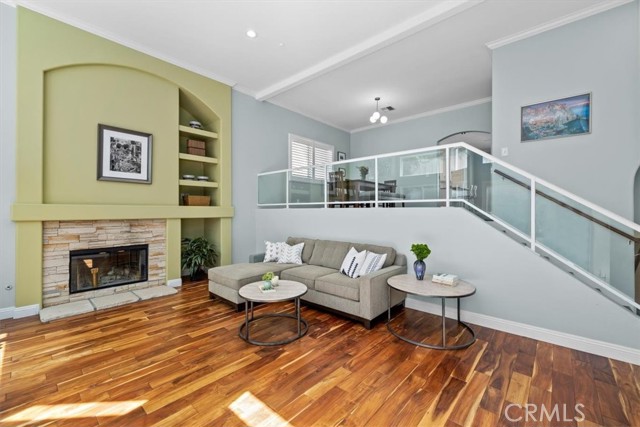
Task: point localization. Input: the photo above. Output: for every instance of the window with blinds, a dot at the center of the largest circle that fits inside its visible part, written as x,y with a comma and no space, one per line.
304,153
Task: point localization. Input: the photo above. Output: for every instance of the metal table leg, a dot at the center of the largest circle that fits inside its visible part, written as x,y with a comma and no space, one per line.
444,327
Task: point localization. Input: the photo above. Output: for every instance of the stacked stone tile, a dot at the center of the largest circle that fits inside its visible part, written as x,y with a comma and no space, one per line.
60,237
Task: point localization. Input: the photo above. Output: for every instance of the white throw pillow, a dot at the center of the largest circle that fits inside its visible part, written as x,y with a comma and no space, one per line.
372,263
291,254
272,251
352,263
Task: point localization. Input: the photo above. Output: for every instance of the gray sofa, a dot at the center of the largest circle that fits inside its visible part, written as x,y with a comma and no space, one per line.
363,299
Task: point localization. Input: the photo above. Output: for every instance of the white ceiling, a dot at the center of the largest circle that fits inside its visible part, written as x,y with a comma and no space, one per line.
329,59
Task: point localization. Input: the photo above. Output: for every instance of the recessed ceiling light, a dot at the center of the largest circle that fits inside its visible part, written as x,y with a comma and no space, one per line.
252,34
281,44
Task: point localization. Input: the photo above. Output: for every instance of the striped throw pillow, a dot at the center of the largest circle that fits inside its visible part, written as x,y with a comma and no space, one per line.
291,254
372,263
352,263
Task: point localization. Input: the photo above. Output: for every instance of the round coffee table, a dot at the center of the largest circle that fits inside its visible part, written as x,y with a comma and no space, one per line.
285,291
426,288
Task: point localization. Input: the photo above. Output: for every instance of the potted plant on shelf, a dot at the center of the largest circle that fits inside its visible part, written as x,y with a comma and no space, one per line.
363,172
196,254
421,251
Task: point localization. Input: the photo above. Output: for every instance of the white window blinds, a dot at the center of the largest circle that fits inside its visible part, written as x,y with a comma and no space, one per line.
304,153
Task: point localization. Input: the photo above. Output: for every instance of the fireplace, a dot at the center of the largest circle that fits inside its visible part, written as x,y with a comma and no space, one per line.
91,269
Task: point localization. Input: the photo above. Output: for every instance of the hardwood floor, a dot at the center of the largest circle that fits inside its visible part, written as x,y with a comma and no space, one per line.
178,361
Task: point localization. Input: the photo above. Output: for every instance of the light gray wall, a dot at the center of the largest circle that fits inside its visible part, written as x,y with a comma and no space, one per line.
421,132
260,133
598,55
513,283
7,151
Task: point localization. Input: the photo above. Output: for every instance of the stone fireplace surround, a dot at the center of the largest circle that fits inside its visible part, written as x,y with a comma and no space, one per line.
60,237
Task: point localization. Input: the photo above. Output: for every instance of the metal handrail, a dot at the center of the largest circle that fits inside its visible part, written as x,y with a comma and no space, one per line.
569,207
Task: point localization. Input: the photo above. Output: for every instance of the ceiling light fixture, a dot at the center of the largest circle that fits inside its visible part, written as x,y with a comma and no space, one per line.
376,114
252,34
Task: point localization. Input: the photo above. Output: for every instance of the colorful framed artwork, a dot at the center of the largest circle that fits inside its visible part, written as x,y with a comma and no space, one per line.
556,119
124,155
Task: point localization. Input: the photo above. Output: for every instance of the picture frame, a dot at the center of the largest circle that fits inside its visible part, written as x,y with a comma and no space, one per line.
559,118
341,156
124,155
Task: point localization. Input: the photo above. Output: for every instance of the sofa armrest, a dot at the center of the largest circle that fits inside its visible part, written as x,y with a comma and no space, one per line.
256,257
374,293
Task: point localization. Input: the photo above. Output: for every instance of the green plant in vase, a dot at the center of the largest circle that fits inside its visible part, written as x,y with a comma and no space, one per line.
421,251
197,254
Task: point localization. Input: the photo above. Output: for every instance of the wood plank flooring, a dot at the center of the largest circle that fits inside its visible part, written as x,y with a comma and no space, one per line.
177,361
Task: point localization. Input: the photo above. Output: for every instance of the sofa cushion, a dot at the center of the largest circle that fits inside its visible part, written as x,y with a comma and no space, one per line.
329,253
306,274
339,285
308,247
236,276
391,253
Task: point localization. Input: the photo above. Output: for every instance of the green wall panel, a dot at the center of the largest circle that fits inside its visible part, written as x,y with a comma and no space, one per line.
76,100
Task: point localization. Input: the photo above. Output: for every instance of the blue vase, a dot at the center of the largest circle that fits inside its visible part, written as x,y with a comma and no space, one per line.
419,267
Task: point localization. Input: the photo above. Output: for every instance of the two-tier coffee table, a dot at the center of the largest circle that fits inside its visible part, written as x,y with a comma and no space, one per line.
285,291
426,288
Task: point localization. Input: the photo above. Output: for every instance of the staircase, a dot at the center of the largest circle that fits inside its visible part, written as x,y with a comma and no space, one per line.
598,247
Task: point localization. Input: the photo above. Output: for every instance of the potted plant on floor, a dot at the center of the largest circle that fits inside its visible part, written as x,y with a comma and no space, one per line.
196,254
421,251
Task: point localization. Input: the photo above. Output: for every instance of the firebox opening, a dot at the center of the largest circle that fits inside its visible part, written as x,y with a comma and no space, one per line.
92,269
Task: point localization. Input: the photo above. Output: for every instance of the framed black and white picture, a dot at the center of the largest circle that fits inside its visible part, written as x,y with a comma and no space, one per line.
124,155
341,156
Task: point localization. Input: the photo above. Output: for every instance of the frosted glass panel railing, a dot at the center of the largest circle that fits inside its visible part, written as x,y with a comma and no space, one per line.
306,185
509,198
272,188
598,245
351,183
409,178
470,178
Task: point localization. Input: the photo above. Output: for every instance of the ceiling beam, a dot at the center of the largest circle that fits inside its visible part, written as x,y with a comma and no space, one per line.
442,10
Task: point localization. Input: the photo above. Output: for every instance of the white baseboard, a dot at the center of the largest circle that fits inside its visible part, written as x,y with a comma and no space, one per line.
19,312
174,283
601,348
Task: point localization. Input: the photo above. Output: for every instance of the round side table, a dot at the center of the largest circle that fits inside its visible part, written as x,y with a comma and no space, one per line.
285,291
426,288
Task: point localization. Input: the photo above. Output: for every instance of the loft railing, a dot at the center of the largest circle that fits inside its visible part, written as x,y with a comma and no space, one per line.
592,243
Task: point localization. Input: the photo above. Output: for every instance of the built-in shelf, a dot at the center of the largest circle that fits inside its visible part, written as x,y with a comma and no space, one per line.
193,183
201,159
186,130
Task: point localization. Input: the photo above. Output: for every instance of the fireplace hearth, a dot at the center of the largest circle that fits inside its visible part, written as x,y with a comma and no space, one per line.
91,269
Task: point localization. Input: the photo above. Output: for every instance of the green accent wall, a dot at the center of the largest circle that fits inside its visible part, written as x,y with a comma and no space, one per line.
69,81
76,99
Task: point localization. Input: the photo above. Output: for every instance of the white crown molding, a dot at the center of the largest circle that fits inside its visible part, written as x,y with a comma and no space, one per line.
601,348
442,10
426,114
584,13
19,312
124,42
